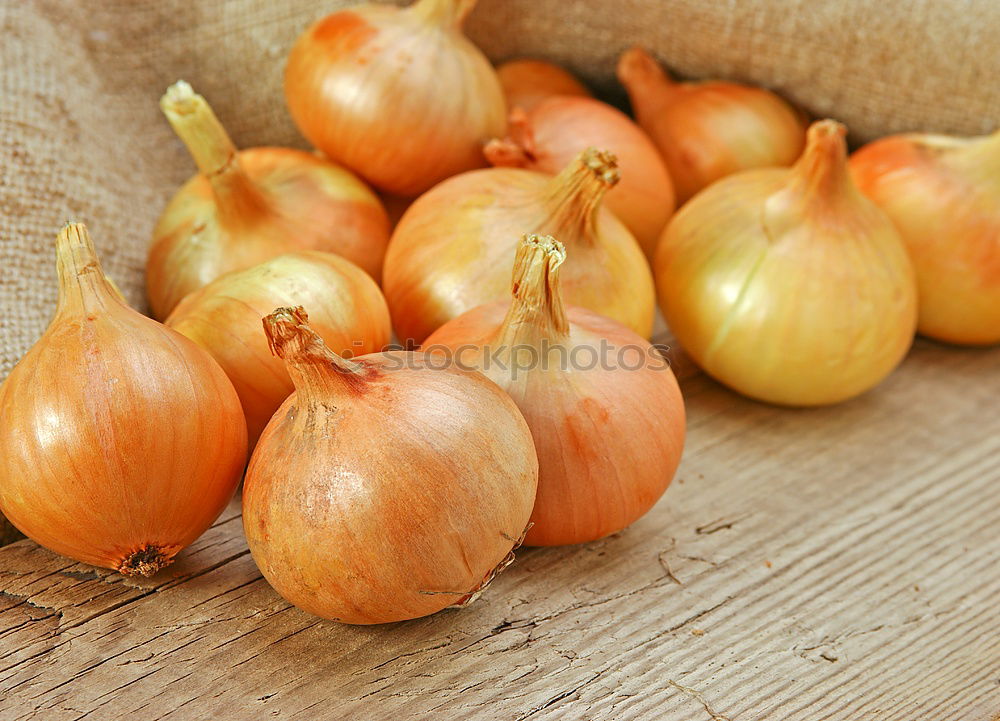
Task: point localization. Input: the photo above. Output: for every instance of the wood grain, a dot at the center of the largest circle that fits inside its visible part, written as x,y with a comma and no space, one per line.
841,563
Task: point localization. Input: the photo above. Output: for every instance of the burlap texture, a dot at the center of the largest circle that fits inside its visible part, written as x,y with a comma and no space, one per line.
81,136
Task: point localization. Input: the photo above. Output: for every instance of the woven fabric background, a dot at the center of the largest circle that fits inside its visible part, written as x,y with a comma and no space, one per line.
81,136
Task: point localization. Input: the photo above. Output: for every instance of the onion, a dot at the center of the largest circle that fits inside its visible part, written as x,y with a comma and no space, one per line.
709,130
943,194
349,314
245,207
608,433
527,82
386,487
453,248
398,95
122,440
554,132
789,285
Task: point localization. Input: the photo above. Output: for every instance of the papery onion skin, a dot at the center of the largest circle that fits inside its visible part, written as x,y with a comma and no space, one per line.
527,82
399,95
943,194
608,437
122,440
552,133
789,285
708,130
348,312
454,247
384,488
245,207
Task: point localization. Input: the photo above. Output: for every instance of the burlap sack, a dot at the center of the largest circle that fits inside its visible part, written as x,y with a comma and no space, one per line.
81,136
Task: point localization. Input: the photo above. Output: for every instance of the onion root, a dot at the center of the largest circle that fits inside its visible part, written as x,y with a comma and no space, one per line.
147,561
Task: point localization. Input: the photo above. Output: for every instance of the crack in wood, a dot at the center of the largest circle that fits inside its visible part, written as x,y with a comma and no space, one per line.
91,667
693,693
661,557
559,697
721,524
408,654
227,591
26,600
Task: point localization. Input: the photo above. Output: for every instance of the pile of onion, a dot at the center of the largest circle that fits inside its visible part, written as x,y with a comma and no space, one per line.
348,312
399,95
121,440
789,285
603,406
527,82
943,194
386,487
551,133
709,130
245,207
453,248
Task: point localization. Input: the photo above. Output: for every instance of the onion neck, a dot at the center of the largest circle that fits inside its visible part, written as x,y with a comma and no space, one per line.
979,158
443,13
313,367
238,197
820,180
573,198
990,147
536,311
517,149
648,85
82,283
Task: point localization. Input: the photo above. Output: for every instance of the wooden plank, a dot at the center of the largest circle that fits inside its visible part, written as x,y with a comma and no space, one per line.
837,563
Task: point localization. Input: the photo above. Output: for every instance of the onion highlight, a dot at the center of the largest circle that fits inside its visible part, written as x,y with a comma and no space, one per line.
386,487
248,206
603,406
943,194
789,285
349,314
557,129
122,440
709,130
399,95
453,248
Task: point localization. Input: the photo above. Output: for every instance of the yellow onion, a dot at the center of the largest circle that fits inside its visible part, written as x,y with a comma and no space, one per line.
348,312
245,207
602,403
789,285
399,95
708,130
121,440
386,487
527,82
943,194
554,132
453,248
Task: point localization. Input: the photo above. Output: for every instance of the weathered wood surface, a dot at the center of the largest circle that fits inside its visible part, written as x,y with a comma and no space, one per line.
841,563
